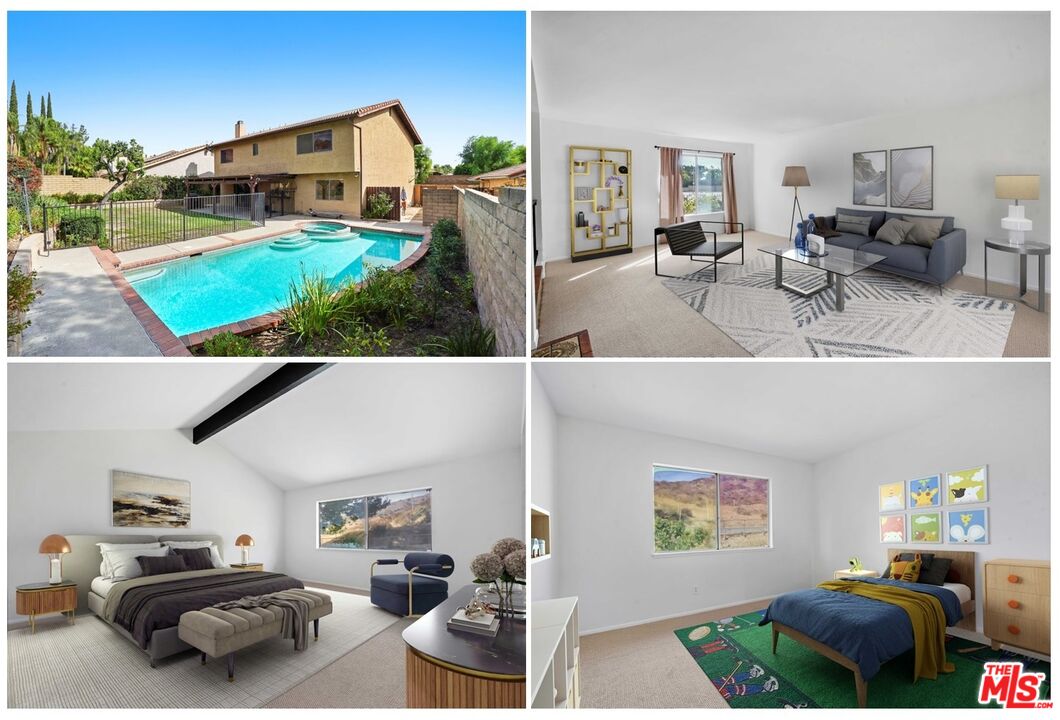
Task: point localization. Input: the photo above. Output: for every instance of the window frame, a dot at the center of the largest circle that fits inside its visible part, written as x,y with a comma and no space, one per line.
695,184
365,496
717,474
313,142
231,155
330,192
254,149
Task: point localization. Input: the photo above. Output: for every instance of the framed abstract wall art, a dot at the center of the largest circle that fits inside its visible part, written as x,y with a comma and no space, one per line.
968,527
966,487
148,501
925,527
892,528
912,181
870,178
892,496
925,492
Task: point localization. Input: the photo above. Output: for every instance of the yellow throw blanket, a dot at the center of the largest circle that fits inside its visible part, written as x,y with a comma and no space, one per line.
925,613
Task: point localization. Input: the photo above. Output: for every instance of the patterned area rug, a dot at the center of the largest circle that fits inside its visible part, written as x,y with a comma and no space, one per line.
573,345
89,665
885,315
736,655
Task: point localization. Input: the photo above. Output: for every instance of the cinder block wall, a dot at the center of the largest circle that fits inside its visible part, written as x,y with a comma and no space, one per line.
494,230
438,203
60,184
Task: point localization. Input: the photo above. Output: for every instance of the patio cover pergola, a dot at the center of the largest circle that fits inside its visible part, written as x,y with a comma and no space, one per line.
251,180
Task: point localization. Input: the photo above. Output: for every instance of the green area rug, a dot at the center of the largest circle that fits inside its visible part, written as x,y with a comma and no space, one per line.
736,655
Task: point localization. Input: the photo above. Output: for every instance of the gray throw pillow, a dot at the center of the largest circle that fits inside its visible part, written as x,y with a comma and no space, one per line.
925,231
894,231
858,225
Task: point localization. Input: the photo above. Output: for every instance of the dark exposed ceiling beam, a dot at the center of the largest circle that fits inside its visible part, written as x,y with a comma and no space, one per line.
286,378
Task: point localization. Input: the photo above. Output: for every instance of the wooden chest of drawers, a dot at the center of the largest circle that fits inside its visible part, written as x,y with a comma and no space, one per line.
43,598
1016,604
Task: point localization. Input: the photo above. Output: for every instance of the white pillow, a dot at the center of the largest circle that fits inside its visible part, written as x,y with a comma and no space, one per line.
215,555
104,568
123,564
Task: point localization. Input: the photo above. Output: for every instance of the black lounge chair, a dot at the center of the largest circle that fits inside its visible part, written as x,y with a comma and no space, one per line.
691,239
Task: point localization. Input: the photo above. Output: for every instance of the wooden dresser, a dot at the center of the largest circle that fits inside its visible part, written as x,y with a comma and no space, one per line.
1016,606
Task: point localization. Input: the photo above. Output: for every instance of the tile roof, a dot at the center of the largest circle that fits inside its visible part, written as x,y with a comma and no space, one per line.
171,155
351,114
513,171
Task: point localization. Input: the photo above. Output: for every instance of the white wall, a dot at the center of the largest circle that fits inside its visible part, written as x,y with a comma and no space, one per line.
543,489
605,490
553,141
474,502
59,482
972,145
1010,434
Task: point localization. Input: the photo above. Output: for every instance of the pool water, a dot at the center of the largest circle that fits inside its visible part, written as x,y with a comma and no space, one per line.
203,292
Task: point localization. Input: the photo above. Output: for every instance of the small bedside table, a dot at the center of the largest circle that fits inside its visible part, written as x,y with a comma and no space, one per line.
840,574
257,567
44,598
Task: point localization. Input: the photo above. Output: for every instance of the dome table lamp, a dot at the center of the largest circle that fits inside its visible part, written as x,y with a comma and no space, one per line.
54,546
795,176
1016,187
244,543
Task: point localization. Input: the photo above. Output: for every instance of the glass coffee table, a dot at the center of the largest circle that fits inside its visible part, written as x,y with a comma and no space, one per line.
839,264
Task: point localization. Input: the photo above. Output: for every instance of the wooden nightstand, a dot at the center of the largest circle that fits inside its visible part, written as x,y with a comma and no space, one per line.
1016,605
257,567
44,598
839,574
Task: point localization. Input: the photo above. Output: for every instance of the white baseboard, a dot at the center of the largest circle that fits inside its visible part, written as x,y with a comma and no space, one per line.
684,613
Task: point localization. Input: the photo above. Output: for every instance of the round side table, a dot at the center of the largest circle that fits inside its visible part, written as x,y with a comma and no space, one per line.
1024,249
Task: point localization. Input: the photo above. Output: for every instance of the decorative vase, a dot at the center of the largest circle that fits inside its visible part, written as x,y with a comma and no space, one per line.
800,239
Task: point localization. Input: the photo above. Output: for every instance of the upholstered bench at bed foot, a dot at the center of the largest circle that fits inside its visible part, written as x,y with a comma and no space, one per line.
218,633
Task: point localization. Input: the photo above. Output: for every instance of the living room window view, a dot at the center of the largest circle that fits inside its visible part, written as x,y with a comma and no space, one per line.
796,209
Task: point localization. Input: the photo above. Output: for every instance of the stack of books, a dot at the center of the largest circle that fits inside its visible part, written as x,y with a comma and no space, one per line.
484,624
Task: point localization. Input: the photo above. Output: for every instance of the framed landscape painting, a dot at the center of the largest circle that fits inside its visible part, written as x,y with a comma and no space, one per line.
148,501
968,527
925,492
870,178
892,496
966,487
925,527
912,178
892,528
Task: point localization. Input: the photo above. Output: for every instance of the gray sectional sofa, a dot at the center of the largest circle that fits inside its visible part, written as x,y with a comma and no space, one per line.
934,265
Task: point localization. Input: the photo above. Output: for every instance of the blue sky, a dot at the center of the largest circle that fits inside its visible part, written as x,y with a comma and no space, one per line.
667,474
185,78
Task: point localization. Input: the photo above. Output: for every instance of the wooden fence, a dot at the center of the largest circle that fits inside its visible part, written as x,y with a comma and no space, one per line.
395,195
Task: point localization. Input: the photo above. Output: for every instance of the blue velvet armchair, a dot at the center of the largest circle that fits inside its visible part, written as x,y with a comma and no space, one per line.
416,591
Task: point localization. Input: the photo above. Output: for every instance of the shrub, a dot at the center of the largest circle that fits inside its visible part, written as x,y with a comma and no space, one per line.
314,309
22,167
16,222
446,260
228,344
466,285
145,187
20,295
359,340
379,205
469,340
89,198
386,297
83,228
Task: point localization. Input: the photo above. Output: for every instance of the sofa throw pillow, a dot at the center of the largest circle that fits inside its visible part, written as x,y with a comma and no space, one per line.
894,231
195,558
854,224
214,554
936,574
104,569
905,570
925,231
926,559
161,565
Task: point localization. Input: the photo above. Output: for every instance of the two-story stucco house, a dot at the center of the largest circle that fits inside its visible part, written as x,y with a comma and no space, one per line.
323,164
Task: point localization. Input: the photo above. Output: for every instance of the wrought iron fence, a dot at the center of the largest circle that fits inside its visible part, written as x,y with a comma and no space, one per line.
132,224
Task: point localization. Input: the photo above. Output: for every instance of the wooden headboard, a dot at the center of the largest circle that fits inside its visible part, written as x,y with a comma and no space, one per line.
963,562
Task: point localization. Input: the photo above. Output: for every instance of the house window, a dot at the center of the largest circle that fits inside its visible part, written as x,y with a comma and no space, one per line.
226,155
329,189
394,521
254,149
704,510
314,142
701,183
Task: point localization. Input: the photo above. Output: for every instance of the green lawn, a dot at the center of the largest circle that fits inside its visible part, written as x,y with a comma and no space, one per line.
138,226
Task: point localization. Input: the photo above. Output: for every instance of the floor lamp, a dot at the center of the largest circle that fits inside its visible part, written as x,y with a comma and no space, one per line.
795,176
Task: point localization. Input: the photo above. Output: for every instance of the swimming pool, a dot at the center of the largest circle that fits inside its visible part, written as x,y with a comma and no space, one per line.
226,286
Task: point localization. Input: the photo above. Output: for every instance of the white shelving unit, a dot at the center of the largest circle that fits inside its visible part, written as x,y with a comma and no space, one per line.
554,646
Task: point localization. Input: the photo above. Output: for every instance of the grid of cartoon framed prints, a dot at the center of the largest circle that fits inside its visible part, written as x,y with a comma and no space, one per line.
949,508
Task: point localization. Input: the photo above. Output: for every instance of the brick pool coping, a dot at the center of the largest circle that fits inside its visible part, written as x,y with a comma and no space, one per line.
173,346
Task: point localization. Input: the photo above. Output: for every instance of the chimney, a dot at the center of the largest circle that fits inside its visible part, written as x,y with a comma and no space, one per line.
241,128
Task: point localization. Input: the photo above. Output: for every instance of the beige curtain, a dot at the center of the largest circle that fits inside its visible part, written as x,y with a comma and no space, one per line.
671,201
728,192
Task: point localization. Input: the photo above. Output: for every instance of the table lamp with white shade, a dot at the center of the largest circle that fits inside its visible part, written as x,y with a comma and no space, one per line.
1016,187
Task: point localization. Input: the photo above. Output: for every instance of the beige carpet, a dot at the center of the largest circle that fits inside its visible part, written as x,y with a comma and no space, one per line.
629,313
647,667
89,665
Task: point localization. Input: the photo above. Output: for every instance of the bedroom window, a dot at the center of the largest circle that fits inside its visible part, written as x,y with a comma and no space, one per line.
703,510
391,521
701,183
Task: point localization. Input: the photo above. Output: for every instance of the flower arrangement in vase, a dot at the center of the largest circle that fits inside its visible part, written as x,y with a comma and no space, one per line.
503,567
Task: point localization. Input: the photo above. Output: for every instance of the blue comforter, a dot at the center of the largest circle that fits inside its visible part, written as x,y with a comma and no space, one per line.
867,631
